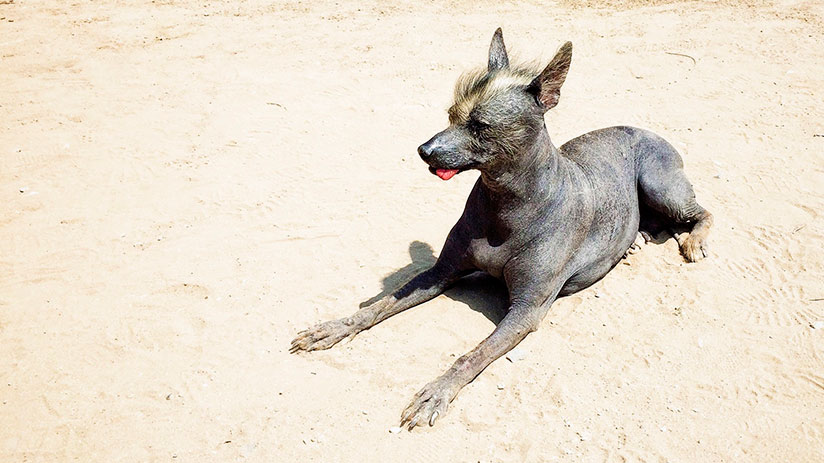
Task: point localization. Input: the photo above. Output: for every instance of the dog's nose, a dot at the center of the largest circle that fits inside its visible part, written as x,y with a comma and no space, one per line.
426,150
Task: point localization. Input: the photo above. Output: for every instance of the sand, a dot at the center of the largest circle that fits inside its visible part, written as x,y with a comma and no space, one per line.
185,185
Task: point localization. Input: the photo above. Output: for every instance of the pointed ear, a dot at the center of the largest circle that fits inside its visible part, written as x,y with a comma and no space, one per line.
497,52
547,86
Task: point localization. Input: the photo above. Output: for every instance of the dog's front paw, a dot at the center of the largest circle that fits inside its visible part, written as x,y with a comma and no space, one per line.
324,335
429,403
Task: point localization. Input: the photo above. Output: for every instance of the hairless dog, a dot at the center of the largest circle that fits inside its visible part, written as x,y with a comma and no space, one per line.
547,221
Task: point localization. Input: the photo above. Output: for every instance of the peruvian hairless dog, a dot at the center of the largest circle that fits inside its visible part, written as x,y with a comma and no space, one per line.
547,221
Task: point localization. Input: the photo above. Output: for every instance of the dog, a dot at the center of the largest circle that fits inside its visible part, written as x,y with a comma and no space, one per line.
547,221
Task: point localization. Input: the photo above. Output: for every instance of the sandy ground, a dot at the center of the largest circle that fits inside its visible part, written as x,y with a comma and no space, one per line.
185,185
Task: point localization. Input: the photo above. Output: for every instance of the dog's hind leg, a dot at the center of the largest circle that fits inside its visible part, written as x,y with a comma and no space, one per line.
663,186
423,287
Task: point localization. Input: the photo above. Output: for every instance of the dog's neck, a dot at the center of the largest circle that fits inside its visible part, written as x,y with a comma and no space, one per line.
530,173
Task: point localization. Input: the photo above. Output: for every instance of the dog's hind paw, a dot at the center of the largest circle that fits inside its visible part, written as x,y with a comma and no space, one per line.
324,335
694,247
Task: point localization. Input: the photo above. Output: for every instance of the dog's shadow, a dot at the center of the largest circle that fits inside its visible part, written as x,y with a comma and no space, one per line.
480,291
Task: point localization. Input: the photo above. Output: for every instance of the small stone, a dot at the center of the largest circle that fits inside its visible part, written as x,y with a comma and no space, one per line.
817,325
394,429
23,189
501,387
597,294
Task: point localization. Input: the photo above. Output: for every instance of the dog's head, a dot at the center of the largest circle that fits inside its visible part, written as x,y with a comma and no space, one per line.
497,113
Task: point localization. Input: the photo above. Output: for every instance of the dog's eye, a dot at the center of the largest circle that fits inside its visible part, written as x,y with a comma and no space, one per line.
476,126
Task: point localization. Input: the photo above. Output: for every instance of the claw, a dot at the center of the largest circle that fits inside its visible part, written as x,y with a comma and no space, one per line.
412,424
433,418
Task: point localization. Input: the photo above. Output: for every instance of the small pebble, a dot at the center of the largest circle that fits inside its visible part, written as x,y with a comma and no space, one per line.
817,325
394,429
23,189
597,294
501,387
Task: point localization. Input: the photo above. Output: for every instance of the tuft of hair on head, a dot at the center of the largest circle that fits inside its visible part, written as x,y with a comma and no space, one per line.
481,85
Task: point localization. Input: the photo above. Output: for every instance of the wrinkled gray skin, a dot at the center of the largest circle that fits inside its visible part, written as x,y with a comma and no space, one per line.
547,221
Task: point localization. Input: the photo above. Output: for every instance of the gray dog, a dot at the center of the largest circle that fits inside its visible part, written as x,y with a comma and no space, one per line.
547,221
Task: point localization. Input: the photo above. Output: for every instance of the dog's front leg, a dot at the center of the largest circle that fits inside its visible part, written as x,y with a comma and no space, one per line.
423,287
432,401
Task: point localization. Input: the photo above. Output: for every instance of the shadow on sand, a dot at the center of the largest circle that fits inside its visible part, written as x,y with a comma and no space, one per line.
481,292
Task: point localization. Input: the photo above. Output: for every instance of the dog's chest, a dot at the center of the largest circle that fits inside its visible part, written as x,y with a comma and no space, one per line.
489,257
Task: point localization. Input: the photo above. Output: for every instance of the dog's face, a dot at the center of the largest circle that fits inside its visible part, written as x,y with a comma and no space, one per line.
497,113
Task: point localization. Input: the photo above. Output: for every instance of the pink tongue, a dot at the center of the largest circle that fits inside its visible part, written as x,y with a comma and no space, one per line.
446,174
